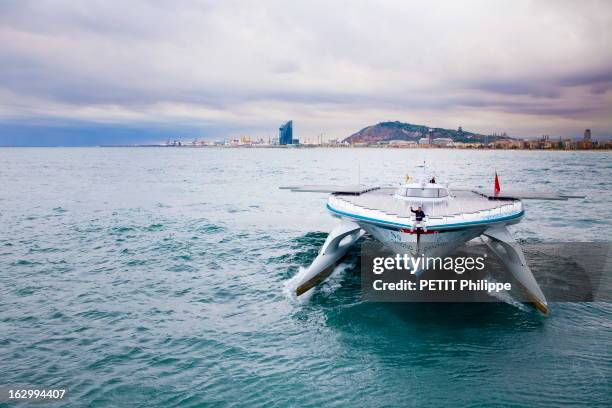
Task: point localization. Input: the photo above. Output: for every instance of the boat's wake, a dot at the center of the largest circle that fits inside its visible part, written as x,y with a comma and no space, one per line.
291,285
331,284
506,297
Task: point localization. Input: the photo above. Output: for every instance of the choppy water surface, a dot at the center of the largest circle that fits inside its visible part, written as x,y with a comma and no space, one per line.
157,277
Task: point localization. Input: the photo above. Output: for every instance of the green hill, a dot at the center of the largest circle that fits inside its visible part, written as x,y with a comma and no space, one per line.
386,131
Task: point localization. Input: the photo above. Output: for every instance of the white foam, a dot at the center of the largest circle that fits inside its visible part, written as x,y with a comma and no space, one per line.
330,285
291,285
334,281
506,297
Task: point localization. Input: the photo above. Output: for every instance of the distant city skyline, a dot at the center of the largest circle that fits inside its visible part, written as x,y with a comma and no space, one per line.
74,73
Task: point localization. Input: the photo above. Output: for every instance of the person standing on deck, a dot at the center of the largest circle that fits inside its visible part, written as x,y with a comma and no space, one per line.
419,216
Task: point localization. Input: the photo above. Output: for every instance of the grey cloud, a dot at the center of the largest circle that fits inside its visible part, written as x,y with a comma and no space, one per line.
319,57
599,81
589,77
528,87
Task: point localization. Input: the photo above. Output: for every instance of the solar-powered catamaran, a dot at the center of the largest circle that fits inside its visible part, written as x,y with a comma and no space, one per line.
452,218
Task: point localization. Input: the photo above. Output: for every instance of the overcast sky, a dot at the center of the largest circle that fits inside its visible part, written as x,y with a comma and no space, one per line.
99,72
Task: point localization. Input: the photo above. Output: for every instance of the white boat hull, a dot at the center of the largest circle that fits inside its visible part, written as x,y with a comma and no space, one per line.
438,243
434,244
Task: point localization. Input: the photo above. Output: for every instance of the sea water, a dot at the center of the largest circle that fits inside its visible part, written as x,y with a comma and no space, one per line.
159,277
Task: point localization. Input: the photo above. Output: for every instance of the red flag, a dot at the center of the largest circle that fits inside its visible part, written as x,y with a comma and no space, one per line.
497,188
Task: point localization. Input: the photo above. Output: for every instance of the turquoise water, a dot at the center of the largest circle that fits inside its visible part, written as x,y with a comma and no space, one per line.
157,278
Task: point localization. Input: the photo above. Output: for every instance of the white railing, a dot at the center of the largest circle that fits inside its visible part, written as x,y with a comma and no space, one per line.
505,210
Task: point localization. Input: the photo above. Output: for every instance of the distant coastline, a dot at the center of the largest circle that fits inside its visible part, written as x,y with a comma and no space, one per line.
392,135
402,135
502,144
606,146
